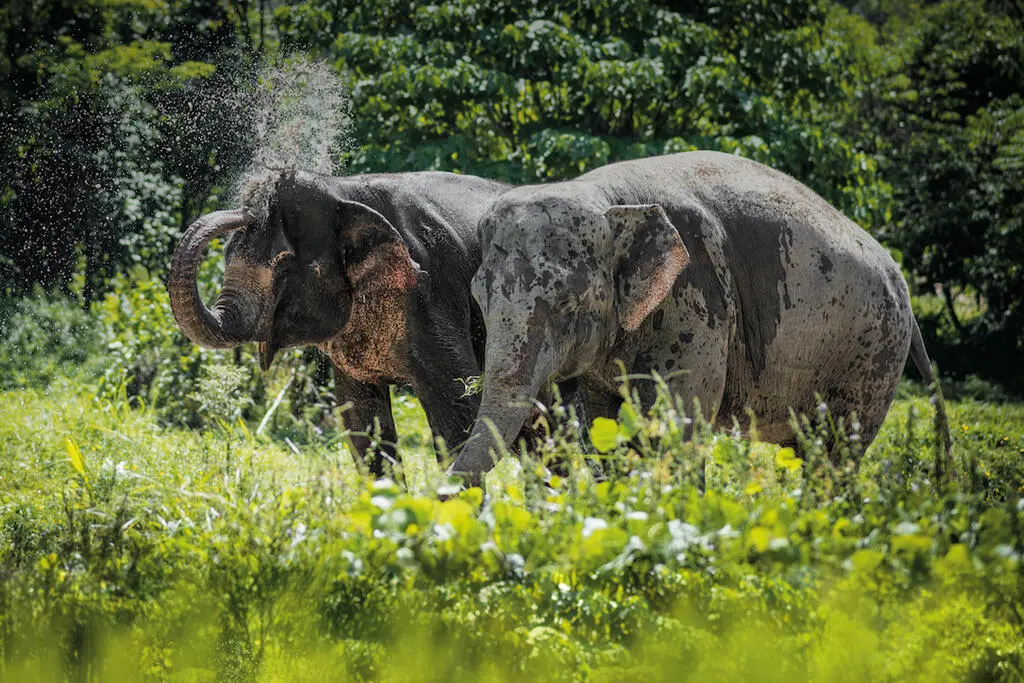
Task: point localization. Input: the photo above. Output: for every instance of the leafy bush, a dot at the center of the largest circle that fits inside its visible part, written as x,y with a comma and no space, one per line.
136,552
947,125
538,92
147,356
45,336
122,129
147,359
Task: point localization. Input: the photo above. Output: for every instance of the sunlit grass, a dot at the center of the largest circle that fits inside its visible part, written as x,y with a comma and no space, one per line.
218,554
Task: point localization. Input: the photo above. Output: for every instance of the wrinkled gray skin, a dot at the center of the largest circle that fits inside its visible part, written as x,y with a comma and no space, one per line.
736,282
374,270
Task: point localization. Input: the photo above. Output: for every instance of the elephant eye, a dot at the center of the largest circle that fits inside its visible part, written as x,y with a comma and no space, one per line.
282,257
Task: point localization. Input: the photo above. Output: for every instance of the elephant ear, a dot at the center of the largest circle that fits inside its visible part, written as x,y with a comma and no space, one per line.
374,255
649,257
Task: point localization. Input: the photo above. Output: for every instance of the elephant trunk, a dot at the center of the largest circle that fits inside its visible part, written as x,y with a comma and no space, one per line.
502,415
509,392
221,327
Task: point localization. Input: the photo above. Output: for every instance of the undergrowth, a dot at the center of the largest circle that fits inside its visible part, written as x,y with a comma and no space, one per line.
130,550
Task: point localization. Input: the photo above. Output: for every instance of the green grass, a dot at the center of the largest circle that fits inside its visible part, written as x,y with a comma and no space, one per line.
168,554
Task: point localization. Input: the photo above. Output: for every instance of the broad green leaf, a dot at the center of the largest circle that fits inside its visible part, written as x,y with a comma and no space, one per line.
758,538
456,512
725,451
786,458
604,434
912,542
866,560
474,496
630,423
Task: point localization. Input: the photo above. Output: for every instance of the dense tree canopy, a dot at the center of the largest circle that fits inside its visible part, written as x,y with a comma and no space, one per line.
122,121
528,92
949,119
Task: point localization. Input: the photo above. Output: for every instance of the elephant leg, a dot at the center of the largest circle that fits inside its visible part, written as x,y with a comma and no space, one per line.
367,407
695,365
592,402
449,412
701,382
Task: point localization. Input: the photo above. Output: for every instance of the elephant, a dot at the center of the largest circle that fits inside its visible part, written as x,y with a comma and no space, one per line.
734,282
373,270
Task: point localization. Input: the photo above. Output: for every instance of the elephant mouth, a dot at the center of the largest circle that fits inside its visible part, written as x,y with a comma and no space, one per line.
267,351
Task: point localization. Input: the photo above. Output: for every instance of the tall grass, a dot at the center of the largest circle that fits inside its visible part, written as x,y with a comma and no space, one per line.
135,551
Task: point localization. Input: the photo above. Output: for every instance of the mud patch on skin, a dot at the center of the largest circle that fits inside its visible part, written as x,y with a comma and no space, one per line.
825,267
711,306
371,348
658,319
535,340
888,359
757,250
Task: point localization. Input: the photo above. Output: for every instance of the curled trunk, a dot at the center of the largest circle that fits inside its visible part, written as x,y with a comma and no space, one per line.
217,328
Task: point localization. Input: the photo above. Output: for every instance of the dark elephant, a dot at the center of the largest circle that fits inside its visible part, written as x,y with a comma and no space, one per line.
373,270
737,283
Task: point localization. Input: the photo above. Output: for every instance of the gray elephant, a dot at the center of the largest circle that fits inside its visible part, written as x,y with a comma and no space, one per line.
373,270
737,283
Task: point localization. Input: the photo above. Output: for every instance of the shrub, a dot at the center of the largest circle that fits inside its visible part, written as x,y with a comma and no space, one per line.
158,553
149,360
46,335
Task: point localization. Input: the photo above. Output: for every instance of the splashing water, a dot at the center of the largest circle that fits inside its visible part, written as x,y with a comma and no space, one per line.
301,116
109,175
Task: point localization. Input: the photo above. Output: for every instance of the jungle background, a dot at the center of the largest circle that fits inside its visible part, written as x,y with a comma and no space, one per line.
171,511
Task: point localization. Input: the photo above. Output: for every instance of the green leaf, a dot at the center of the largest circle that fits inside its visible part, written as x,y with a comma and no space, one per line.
628,421
912,542
758,539
76,458
725,451
864,561
456,512
786,458
604,434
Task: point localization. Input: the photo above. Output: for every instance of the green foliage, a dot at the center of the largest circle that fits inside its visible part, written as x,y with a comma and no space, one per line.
130,119
541,93
46,336
134,552
221,392
147,357
132,549
944,112
128,345
119,136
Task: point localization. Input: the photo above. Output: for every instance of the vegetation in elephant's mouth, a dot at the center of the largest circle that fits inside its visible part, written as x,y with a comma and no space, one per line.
471,386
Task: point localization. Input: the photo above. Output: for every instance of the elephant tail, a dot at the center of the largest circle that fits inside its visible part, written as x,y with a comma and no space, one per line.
924,366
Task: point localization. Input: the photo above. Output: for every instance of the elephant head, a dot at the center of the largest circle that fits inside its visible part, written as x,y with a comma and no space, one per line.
291,271
561,280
